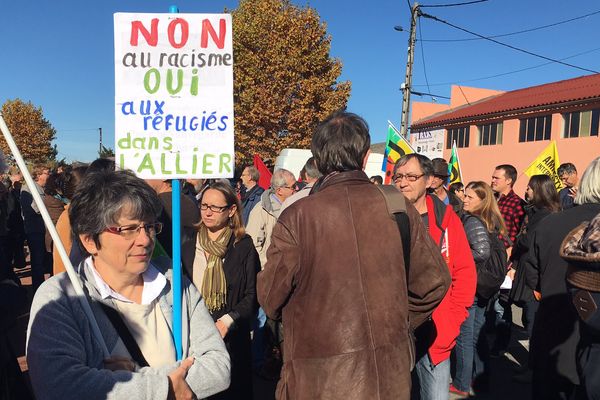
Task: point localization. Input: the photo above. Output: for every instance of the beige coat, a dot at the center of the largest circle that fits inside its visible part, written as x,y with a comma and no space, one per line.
261,221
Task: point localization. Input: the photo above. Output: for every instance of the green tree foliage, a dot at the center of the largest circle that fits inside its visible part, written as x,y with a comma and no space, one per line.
285,81
106,152
32,132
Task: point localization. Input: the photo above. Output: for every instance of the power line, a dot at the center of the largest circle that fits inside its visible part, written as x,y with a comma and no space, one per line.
509,72
508,45
409,5
424,63
537,28
455,4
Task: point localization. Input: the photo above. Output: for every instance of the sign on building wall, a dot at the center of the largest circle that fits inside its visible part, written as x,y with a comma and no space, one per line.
174,95
428,143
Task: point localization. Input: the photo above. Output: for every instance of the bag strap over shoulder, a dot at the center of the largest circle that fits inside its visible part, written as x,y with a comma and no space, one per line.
396,206
128,340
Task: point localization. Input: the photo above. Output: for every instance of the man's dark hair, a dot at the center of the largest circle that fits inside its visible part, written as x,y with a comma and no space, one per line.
510,172
424,162
566,168
340,143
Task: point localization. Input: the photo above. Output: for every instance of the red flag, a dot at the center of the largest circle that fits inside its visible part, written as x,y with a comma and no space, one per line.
265,175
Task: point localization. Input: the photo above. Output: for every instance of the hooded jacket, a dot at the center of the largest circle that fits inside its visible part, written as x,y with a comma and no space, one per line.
261,221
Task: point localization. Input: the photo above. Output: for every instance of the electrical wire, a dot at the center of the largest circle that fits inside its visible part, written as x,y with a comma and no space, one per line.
424,63
537,28
409,6
454,4
507,73
508,45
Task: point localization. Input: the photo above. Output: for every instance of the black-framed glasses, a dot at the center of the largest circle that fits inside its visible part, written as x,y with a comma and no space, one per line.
408,177
213,208
132,231
293,187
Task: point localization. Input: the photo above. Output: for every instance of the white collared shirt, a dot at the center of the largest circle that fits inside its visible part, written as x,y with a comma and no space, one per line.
154,283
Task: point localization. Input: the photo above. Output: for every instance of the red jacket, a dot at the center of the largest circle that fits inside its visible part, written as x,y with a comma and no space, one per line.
447,231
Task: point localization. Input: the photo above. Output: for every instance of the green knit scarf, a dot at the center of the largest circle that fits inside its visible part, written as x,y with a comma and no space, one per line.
214,286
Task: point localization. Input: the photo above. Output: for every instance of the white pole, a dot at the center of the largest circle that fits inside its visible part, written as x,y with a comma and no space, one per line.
52,229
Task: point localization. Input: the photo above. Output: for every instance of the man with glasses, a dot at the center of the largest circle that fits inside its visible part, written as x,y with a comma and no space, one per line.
264,215
413,175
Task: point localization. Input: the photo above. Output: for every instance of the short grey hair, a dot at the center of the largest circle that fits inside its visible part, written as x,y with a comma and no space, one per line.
102,196
253,172
311,170
278,180
424,162
589,187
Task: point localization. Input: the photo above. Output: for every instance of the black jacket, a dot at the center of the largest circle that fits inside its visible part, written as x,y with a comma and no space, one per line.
241,265
555,330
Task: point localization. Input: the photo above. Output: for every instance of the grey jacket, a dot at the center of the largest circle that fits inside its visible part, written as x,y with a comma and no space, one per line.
66,362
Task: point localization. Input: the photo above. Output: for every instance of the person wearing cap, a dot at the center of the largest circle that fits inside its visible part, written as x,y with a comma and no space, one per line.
555,336
581,250
438,185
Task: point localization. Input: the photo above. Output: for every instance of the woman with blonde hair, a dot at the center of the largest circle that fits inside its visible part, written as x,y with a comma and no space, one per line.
483,224
224,268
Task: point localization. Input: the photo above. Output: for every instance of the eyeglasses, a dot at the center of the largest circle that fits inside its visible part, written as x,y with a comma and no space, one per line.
217,209
293,187
132,231
410,178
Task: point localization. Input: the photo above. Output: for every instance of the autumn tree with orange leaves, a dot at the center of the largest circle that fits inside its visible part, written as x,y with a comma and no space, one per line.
32,132
285,81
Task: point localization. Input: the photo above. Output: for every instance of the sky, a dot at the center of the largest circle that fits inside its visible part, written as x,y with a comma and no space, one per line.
60,56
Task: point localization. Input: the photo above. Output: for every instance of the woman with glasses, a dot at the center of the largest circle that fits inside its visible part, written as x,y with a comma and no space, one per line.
225,264
458,189
113,218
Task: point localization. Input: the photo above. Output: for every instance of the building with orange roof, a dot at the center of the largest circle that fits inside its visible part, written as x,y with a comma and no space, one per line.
494,127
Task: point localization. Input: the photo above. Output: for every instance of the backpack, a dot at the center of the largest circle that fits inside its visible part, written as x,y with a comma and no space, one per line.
491,273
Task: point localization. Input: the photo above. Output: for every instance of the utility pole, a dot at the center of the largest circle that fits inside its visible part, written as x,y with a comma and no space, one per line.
406,86
100,150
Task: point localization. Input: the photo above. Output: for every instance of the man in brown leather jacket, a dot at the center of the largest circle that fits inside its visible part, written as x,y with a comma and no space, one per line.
336,276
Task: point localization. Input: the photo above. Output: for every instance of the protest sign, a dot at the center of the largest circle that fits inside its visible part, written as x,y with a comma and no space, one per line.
428,143
174,95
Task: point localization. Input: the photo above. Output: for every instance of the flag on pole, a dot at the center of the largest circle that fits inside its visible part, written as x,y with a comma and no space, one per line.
546,163
265,175
454,166
395,147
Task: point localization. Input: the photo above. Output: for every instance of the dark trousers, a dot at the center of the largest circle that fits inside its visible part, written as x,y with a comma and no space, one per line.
529,310
39,258
471,349
15,249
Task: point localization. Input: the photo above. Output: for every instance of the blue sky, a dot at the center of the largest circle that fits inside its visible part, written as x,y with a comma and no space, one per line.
59,54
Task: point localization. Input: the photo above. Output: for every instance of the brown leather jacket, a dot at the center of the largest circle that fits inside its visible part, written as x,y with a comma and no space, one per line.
336,275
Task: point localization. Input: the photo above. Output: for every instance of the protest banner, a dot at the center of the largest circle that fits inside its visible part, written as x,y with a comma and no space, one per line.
454,166
395,147
546,163
174,95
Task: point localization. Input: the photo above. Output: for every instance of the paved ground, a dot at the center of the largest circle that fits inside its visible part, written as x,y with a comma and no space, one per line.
502,369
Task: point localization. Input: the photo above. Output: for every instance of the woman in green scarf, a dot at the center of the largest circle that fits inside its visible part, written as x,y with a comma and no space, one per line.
224,270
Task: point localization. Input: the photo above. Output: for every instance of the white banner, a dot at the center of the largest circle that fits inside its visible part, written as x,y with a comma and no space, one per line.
428,143
174,95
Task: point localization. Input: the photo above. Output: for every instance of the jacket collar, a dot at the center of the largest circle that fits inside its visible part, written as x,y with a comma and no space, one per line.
337,178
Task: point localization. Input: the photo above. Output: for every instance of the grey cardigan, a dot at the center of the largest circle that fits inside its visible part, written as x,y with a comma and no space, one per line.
66,362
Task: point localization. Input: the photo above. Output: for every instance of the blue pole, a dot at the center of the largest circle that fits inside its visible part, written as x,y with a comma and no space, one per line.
176,239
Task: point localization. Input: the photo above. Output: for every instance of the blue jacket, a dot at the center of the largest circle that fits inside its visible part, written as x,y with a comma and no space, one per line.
250,199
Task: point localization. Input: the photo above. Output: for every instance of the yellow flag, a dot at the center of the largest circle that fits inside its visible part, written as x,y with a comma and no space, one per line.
546,163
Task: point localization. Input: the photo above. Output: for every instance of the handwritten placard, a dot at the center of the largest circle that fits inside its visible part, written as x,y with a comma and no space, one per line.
174,95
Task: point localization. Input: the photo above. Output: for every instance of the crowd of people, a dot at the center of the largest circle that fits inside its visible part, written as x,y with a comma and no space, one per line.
333,284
